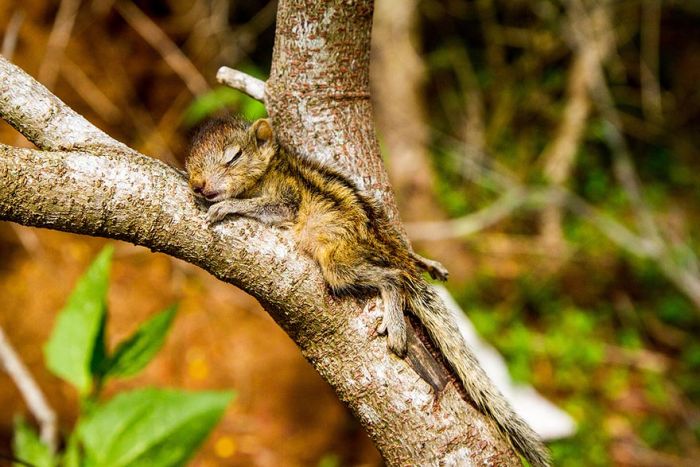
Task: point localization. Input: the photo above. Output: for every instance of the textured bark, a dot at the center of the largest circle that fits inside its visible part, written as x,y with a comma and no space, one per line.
90,184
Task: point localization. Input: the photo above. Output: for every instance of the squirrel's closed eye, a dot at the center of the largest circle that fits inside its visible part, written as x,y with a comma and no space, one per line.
232,154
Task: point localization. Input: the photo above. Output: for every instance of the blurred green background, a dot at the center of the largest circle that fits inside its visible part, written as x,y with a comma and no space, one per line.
544,151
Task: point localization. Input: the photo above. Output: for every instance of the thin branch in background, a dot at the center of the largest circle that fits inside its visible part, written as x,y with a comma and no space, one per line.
488,20
160,133
473,127
149,138
614,230
101,7
217,21
241,41
169,122
649,61
31,393
504,207
9,40
90,92
58,40
170,52
490,173
642,359
477,165
582,30
518,197
27,238
206,24
262,20
220,41
254,87
559,155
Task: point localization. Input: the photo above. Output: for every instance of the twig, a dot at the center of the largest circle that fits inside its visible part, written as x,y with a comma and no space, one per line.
9,40
480,220
170,52
90,92
235,79
474,128
237,43
615,231
490,174
28,238
649,61
560,154
31,393
58,39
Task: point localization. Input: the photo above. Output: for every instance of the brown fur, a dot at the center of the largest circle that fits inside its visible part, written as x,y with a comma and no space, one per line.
241,168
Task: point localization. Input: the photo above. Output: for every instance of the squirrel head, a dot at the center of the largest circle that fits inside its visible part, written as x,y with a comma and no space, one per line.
228,156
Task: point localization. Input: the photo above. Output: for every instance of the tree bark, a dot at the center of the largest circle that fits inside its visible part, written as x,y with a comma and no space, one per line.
82,181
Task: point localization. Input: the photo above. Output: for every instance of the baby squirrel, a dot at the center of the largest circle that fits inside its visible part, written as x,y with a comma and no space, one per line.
240,168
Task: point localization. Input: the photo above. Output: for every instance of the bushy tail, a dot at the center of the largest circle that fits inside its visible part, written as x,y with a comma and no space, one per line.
424,302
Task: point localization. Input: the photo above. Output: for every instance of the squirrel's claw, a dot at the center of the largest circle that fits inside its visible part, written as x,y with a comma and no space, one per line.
394,326
434,268
218,211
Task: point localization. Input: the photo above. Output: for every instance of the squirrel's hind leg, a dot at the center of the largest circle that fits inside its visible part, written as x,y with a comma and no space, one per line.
393,323
342,277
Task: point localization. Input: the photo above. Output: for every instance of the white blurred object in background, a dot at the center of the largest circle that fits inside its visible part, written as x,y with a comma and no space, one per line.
548,420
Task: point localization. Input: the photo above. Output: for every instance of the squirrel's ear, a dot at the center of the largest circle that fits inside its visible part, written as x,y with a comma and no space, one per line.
261,130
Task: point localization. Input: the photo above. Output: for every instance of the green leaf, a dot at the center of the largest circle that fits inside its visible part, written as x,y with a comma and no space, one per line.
77,341
221,98
71,457
329,460
133,354
252,109
99,356
211,102
27,447
150,427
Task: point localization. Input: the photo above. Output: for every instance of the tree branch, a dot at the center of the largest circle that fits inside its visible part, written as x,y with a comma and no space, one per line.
464,226
44,119
31,393
254,87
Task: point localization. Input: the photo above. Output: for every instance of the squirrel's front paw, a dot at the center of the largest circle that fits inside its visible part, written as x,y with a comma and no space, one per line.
438,272
219,210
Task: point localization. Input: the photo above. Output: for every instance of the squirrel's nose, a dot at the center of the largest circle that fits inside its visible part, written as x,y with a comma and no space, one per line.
198,186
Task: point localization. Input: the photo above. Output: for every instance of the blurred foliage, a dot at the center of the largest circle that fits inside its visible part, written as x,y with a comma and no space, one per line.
223,99
603,333
154,427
